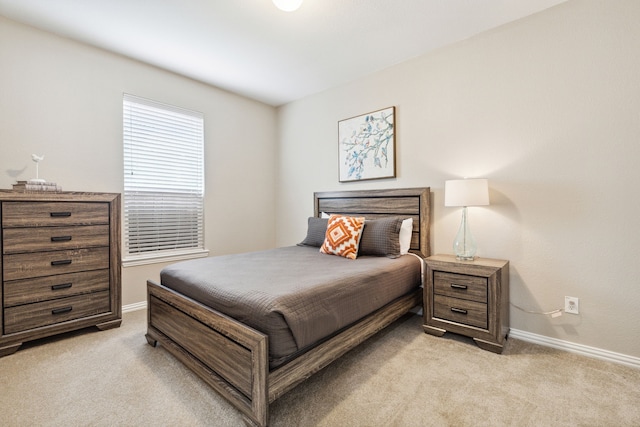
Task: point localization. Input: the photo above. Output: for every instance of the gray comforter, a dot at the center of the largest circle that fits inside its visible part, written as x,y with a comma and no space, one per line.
296,295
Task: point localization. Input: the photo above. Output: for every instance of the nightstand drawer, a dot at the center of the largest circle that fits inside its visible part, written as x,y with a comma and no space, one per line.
47,214
38,239
29,316
454,285
460,311
27,291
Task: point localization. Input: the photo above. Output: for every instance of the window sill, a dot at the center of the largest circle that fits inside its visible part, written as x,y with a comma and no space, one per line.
133,261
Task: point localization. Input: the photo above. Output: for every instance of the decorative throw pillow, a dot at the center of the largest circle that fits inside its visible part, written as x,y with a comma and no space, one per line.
381,237
316,230
343,236
406,231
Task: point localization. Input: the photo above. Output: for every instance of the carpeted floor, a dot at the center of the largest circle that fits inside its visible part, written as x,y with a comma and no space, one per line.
400,377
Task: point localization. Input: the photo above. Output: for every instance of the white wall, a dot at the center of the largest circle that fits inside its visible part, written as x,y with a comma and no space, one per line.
64,100
548,109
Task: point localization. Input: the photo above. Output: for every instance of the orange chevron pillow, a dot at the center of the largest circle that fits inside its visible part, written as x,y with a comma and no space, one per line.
343,236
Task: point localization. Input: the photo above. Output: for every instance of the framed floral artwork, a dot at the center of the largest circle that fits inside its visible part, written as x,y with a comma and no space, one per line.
367,146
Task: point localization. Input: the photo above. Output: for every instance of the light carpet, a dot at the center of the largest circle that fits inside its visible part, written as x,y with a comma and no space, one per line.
400,377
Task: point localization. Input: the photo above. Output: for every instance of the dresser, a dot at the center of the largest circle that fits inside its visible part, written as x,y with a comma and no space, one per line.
470,298
60,264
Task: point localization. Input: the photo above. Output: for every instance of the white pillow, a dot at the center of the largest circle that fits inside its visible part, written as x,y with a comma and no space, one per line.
324,215
406,230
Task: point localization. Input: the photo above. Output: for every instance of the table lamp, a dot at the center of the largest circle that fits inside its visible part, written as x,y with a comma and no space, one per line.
465,192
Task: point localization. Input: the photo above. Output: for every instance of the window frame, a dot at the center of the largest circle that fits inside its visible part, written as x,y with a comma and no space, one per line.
149,128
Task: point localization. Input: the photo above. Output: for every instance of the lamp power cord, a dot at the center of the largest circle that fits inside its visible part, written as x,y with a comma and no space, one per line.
553,313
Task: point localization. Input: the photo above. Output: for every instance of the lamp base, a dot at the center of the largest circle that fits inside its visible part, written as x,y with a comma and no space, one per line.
464,246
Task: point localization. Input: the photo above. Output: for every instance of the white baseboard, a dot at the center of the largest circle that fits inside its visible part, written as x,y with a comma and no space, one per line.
142,305
583,350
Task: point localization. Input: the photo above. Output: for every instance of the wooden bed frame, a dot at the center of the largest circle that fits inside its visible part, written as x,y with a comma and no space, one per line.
233,358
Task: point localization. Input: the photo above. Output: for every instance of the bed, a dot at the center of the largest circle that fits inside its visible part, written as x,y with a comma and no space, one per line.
252,364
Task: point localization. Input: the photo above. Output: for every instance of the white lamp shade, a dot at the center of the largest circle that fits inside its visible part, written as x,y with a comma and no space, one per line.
466,192
287,5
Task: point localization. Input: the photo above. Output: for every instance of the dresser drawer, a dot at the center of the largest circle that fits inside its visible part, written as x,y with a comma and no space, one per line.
454,285
22,266
460,311
38,239
29,316
26,291
44,214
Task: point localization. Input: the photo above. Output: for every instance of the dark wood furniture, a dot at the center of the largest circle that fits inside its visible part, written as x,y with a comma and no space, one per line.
60,264
470,298
233,358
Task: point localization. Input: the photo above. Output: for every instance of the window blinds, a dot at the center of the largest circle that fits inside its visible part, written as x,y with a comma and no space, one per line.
163,178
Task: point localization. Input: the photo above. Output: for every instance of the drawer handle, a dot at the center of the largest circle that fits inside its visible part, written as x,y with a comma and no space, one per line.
458,310
61,286
60,214
61,239
61,310
61,262
456,286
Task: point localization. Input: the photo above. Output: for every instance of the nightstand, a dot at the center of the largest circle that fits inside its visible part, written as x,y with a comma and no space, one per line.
469,298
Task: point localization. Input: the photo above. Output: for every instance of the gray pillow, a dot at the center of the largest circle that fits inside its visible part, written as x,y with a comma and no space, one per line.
316,230
381,237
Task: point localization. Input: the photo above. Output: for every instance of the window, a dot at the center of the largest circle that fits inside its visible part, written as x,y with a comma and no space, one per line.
163,182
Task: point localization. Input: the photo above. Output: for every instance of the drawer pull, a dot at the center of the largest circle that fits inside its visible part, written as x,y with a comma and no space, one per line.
61,286
458,310
61,262
61,239
461,287
61,310
60,214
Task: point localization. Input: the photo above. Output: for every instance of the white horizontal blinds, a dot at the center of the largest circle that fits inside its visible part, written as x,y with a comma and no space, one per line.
163,177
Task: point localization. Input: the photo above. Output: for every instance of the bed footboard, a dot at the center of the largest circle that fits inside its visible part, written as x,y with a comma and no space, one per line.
287,377
229,356
233,358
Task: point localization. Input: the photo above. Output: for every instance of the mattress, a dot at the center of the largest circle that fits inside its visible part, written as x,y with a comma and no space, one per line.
295,295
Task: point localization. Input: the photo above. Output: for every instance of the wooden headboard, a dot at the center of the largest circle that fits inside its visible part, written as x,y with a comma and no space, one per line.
404,202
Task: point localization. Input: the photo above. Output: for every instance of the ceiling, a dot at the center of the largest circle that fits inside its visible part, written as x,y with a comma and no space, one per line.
251,48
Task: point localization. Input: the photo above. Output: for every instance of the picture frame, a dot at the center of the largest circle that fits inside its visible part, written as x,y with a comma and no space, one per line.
366,146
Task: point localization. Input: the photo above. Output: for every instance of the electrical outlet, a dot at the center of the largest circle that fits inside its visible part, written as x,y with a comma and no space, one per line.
572,305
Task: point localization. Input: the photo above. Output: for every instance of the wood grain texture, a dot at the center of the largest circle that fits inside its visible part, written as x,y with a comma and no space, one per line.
229,383
21,266
228,360
487,317
229,379
30,316
40,239
461,286
460,311
60,264
403,202
53,214
26,291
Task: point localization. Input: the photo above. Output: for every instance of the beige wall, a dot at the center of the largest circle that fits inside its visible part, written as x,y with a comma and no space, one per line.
546,108
64,100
